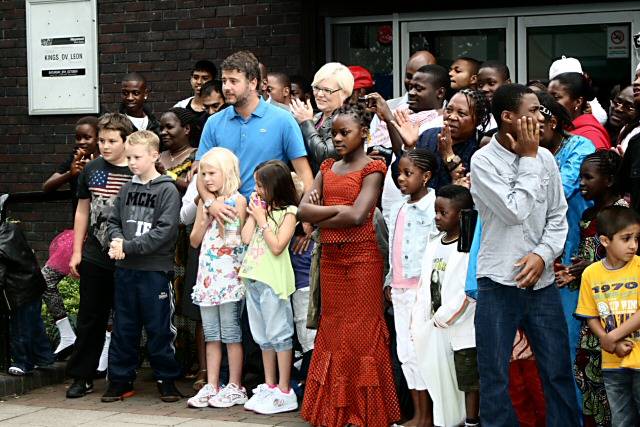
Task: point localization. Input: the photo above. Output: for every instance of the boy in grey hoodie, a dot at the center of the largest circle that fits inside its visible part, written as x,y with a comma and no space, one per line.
143,229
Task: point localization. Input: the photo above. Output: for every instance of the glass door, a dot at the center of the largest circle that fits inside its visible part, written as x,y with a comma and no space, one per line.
601,41
480,38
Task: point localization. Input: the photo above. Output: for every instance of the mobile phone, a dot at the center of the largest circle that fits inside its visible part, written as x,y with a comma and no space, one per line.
468,220
369,102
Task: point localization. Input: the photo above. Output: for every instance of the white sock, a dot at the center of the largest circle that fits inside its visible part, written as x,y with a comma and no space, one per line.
104,357
67,336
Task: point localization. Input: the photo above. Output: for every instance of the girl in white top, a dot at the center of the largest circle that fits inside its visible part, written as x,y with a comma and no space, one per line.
219,291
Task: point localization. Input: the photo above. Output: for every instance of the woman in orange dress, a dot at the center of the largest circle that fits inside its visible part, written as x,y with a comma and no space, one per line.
350,379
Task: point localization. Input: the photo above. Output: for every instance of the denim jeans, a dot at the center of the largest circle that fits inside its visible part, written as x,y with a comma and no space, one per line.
30,345
623,393
222,322
270,317
499,312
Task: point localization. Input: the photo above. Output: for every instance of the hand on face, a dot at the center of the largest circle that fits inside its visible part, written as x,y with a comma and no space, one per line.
527,137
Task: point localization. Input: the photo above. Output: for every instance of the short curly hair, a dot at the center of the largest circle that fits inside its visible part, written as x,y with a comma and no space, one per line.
243,61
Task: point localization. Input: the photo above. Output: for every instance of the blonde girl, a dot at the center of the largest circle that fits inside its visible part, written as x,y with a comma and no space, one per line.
219,291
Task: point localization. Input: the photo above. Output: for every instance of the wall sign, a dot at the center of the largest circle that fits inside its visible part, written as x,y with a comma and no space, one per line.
617,41
62,56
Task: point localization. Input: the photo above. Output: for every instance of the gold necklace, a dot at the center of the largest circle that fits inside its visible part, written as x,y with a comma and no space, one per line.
178,154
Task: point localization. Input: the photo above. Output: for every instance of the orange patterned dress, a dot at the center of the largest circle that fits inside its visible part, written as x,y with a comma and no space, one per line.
350,379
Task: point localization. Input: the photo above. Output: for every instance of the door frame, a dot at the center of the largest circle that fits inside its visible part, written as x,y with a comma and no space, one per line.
454,24
570,19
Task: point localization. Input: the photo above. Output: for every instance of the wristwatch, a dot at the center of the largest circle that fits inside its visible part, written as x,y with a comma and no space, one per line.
208,203
452,162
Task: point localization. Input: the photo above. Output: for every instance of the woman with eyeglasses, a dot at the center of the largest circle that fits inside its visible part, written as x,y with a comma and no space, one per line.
572,91
332,84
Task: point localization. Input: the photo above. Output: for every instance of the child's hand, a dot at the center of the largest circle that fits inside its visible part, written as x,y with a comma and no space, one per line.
577,267
387,294
608,344
74,262
563,278
314,198
78,162
256,210
623,348
115,249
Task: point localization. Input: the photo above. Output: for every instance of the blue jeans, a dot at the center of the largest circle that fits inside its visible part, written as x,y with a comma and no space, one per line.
499,312
222,322
270,317
30,345
623,393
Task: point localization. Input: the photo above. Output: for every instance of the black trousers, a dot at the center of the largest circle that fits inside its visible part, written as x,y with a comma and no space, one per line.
96,301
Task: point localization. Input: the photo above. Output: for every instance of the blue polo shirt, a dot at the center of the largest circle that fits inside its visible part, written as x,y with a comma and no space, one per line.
270,133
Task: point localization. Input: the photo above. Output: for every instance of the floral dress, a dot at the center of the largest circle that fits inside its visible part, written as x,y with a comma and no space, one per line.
587,367
217,281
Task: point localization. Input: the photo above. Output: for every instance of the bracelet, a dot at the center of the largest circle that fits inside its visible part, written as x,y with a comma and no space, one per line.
263,228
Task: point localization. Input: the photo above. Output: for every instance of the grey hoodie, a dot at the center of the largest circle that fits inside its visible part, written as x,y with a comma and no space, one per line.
146,217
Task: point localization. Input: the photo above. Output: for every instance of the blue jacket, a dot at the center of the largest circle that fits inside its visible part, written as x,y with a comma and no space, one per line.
419,227
569,159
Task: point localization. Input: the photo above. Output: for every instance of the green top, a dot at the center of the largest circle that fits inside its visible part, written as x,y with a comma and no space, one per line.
262,265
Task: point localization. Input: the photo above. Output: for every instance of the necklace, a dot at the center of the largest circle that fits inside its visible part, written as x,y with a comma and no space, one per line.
445,242
178,154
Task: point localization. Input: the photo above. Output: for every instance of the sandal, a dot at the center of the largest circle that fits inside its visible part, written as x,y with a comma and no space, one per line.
200,382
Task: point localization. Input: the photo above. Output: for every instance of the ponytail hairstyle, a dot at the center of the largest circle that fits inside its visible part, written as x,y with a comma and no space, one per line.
577,86
608,164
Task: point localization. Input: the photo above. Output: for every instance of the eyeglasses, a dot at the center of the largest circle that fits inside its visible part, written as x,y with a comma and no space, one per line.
625,106
325,90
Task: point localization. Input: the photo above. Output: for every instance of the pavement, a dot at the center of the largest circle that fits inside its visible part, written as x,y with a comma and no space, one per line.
48,406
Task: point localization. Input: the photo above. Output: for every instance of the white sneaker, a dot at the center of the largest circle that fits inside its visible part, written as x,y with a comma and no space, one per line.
229,396
201,400
277,402
259,393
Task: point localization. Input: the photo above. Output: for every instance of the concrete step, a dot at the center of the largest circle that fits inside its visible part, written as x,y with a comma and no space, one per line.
12,385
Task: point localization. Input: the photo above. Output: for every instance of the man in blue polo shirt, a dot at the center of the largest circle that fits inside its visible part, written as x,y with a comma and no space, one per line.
254,130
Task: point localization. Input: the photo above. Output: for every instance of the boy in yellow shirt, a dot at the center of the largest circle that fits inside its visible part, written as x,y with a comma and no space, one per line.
609,296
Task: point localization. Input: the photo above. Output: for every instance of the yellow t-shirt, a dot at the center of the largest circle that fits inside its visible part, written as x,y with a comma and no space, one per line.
612,295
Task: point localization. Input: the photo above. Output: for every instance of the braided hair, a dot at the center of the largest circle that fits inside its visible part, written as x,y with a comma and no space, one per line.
479,106
187,117
423,159
608,164
358,111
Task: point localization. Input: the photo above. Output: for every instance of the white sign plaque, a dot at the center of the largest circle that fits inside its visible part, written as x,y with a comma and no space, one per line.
62,56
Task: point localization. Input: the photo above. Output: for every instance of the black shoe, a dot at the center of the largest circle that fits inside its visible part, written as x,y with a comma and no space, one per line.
79,388
100,374
64,353
168,391
118,391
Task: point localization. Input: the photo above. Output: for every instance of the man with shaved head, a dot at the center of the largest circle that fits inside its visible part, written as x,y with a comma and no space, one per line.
417,60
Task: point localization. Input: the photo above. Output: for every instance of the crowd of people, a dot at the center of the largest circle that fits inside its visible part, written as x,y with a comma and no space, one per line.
462,255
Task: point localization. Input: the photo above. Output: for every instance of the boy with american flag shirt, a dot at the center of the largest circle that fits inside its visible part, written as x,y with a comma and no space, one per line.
98,185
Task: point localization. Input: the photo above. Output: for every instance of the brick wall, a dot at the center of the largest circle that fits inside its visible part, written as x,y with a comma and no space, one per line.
159,38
